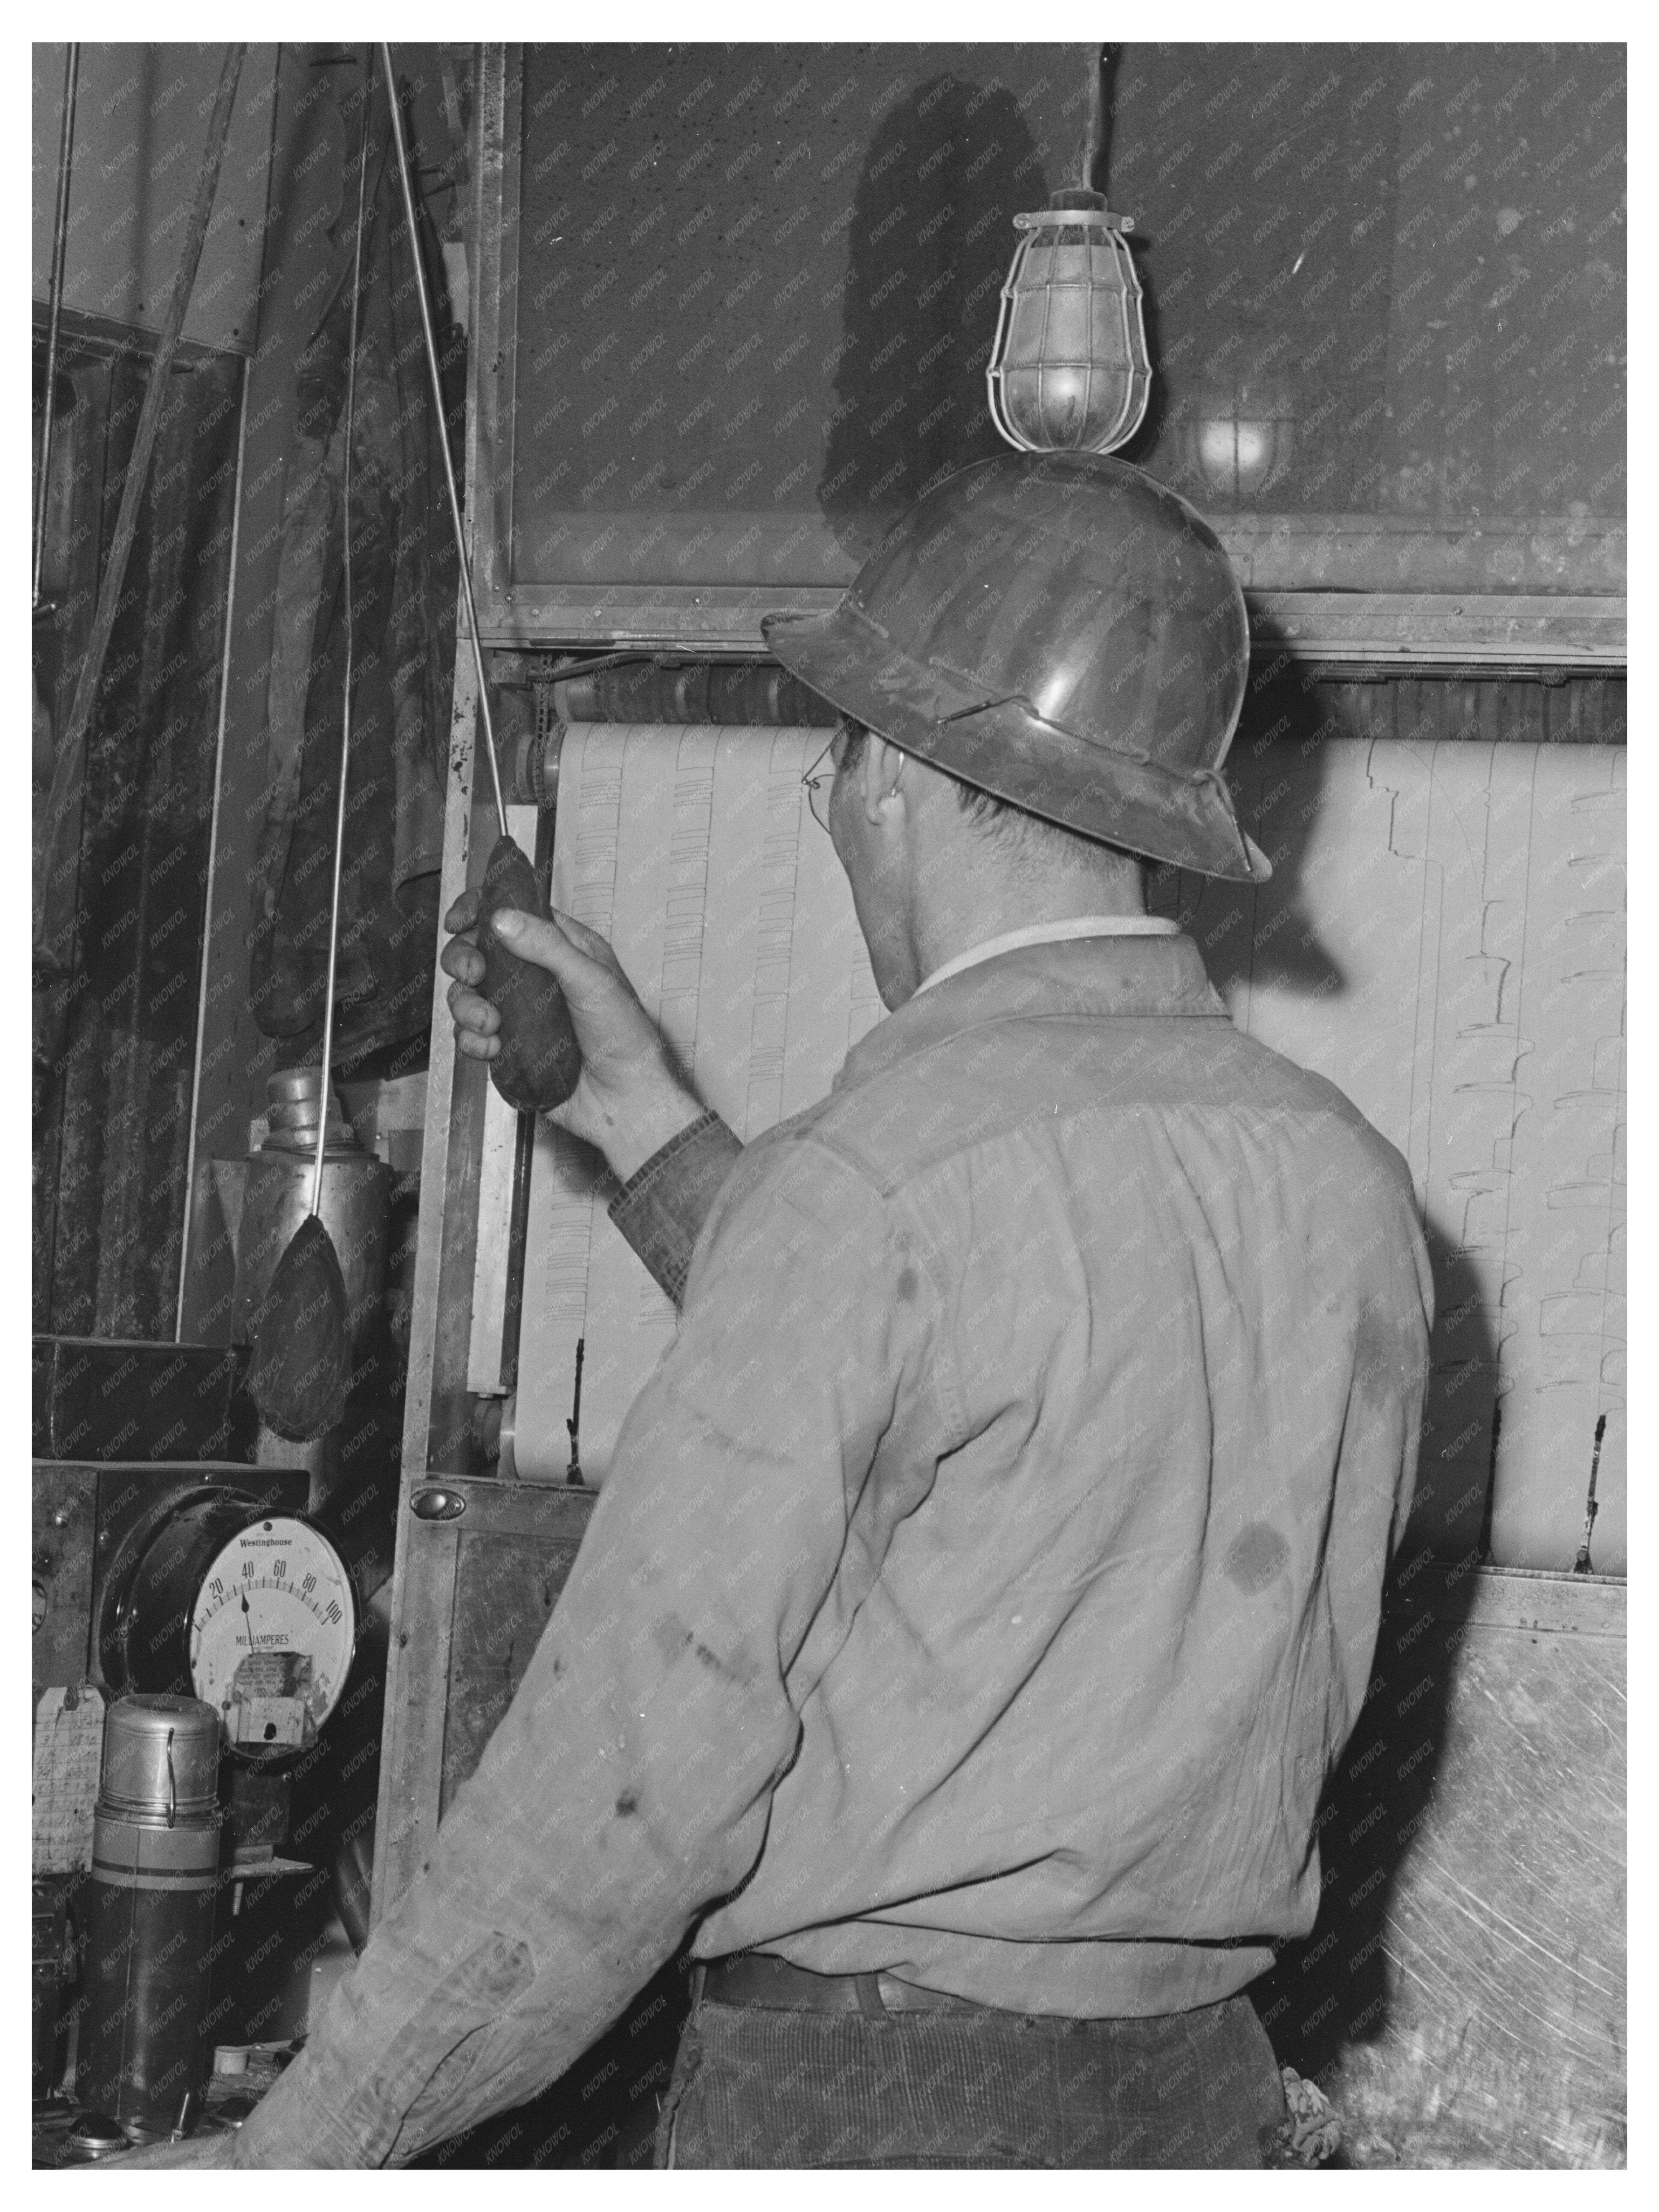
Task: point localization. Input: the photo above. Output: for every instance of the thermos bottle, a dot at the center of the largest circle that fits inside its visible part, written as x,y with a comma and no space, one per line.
147,1938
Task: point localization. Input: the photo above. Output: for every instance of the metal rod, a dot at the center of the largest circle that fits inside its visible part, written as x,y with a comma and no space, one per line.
1483,1546
345,708
69,776
572,1472
524,1149
443,437
1581,1565
59,244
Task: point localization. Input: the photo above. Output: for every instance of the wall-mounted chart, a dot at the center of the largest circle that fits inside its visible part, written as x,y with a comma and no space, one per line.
1444,937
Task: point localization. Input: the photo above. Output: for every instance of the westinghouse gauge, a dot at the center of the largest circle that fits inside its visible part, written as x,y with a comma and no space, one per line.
253,1613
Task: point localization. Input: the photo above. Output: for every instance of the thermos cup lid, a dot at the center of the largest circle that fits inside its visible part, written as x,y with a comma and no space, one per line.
161,1755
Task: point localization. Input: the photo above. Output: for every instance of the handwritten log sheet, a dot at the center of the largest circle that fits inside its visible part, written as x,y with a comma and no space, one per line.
69,1745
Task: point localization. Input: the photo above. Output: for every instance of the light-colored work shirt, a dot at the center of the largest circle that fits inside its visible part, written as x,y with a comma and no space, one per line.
986,1580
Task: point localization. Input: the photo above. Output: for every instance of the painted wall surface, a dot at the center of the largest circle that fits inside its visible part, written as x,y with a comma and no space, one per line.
141,119
754,290
1421,247
761,283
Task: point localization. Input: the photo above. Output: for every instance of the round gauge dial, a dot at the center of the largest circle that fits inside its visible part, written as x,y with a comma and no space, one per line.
271,1633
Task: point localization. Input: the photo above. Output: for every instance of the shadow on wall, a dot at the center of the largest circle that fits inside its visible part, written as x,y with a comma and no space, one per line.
1266,953
1245,939
931,236
1329,1989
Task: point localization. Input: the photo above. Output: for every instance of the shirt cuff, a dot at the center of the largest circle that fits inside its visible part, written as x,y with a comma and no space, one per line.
660,1209
293,2126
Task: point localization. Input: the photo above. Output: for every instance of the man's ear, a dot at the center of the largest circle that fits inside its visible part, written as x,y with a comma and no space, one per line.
882,772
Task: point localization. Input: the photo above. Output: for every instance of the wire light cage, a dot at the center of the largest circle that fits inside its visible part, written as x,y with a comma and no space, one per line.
1069,370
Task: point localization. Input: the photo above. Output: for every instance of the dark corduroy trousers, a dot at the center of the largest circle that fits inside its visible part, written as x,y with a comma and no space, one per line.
754,2086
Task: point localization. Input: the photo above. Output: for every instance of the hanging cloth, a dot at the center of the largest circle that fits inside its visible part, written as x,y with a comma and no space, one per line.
405,611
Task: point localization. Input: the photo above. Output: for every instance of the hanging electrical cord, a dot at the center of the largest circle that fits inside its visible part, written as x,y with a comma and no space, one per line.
300,1373
350,639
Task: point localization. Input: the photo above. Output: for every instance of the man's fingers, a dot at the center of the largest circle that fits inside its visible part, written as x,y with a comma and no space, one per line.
463,961
474,1047
567,948
588,973
470,1012
464,912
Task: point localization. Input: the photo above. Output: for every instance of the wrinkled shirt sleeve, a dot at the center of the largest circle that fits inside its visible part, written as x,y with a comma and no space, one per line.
661,1209
627,1786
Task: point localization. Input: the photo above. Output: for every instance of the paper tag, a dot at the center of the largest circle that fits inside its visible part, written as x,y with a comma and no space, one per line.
69,1747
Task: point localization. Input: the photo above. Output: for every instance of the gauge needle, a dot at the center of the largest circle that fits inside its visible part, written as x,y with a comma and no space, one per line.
249,1610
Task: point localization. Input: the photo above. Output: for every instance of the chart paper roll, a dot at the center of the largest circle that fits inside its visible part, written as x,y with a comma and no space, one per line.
1443,938
693,851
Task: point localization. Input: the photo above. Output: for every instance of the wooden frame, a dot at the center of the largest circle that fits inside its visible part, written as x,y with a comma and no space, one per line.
431,1692
1378,632
437,1410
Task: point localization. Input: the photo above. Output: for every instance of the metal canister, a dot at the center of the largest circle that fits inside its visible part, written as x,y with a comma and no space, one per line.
356,1196
144,2054
293,1101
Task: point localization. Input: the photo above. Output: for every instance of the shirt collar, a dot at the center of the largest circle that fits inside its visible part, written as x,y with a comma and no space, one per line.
1052,933
1146,976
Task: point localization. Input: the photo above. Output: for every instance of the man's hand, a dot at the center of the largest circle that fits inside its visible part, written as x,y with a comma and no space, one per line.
631,1097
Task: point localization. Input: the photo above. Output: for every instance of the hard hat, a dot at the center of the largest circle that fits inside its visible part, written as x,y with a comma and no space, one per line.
1062,631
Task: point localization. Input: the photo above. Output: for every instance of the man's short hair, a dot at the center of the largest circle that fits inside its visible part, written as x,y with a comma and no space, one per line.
1009,825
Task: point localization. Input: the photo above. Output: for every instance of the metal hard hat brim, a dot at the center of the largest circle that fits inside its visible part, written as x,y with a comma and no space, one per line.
1183,819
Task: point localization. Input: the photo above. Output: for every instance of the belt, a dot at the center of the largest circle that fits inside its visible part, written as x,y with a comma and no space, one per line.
760,1977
